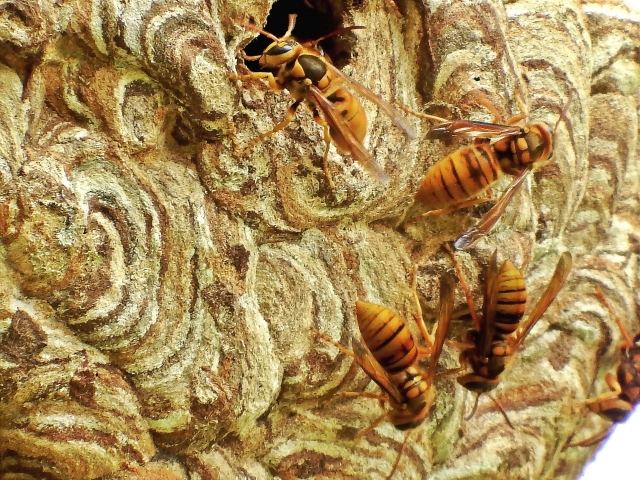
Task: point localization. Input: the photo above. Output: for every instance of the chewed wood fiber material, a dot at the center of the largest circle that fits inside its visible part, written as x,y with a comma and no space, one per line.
158,288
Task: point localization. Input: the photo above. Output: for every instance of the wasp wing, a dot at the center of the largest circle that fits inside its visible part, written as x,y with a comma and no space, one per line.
555,284
469,129
378,374
489,306
469,238
398,120
334,119
447,296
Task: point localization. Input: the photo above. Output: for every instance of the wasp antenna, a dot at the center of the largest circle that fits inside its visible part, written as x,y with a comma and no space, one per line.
475,407
397,462
254,28
249,57
499,407
338,31
564,110
520,101
292,24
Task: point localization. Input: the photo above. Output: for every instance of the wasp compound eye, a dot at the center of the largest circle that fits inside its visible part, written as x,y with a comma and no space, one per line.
279,49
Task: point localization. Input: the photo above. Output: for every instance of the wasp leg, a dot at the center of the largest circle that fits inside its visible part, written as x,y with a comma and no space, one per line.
501,409
327,143
350,354
522,106
516,119
587,442
475,407
457,206
596,405
612,381
448,373
514,172
332,342
363,395
462,345
420,114
268,76
290,114
397,462
615,392
428,338
628,343
465,288
483,100
373,424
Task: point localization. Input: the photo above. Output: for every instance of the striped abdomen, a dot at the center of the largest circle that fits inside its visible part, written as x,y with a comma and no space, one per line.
351,111
387,337
512,299
464,174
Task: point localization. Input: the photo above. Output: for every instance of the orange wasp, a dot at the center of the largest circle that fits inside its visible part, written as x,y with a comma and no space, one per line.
617,405
308,74
498,332
456,181
389,356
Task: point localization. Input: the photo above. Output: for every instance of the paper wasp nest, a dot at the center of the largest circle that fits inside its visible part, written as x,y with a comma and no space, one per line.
158,287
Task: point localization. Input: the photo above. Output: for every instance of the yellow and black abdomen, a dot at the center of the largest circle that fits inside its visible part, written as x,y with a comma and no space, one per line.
387,337
353,114
512,299
463,175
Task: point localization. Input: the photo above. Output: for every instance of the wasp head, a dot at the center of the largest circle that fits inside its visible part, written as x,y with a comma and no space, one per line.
280,53
539,138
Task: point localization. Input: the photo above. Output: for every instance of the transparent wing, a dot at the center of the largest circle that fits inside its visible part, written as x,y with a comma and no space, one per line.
469,129
489,307
334,119
469,238
369,364
447,296
555,284
398,120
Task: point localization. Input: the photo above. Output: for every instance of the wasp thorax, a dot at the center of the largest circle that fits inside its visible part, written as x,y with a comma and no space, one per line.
314,68
411,384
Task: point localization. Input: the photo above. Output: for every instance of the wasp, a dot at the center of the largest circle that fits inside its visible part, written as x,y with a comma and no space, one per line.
389,357
460,179
307,73
499,330
617,405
